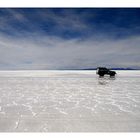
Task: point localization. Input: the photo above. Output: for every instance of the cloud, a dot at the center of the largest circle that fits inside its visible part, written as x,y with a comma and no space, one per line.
45,52
70,22
20,22
68,38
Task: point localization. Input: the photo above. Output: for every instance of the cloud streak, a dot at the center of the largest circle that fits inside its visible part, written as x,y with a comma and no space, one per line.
68,38
57,53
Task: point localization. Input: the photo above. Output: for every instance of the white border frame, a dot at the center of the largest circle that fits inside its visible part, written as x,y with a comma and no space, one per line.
69,3
66,4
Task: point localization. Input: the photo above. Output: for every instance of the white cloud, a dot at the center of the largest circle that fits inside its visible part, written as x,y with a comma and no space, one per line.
44,52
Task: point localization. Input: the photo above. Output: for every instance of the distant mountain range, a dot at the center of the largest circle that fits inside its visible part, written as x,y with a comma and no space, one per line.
114,69
107,67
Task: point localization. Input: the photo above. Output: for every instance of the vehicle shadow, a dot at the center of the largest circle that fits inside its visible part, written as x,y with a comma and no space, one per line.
105,80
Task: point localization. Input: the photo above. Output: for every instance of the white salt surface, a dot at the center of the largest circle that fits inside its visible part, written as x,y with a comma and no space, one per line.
69,101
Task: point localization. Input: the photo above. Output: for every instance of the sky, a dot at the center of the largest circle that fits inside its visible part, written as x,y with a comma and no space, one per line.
69,38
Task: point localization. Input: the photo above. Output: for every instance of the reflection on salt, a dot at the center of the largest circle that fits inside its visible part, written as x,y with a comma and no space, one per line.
105,80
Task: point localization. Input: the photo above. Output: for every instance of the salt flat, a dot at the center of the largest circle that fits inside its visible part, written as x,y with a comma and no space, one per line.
69,101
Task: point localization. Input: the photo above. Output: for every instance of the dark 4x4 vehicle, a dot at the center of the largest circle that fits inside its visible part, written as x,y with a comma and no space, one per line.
101,71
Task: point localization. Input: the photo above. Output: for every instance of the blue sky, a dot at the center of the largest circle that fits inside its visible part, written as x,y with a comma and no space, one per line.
70,38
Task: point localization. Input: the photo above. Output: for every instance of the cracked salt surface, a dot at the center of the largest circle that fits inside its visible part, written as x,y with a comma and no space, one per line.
69,101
